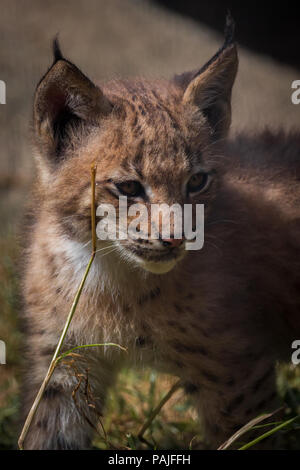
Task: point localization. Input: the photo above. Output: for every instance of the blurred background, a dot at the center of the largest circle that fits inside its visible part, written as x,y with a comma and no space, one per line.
108,39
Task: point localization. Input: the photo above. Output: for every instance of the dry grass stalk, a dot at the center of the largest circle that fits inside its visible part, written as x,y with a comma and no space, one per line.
56,358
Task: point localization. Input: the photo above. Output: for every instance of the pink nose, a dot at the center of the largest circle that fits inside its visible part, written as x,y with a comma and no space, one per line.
172,242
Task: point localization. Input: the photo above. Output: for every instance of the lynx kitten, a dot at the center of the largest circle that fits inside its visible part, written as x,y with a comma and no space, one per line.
218,318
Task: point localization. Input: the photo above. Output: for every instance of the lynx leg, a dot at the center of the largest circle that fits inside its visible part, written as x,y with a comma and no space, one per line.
70,408
225,409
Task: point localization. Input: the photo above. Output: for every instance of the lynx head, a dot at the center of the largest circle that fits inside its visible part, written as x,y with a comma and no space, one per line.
153,142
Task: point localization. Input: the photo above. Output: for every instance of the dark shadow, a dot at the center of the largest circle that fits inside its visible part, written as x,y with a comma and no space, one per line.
268,28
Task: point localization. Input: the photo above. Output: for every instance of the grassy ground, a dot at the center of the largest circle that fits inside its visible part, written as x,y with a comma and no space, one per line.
132,401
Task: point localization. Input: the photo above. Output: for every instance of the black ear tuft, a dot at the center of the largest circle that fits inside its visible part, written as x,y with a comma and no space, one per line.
229,30
209,88
57,54
185,78
228,41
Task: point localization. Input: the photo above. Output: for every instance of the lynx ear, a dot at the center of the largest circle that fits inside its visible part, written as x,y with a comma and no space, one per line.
210,87
66,105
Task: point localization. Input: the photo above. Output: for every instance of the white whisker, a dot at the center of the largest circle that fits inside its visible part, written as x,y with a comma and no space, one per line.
105,248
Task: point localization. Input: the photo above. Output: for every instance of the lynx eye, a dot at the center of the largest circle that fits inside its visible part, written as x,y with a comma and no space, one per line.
198,182
130,188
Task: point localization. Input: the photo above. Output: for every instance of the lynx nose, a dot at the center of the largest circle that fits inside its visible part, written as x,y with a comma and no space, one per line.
172,242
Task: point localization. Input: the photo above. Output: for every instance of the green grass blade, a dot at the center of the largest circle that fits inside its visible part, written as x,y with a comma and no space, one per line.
268,433
66,353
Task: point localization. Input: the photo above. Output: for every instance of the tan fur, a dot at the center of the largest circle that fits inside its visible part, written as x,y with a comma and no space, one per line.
222,316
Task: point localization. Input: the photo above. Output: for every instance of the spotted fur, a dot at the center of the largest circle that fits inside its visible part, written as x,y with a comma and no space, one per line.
218,318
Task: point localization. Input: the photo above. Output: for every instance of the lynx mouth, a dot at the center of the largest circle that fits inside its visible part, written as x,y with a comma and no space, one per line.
156,261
